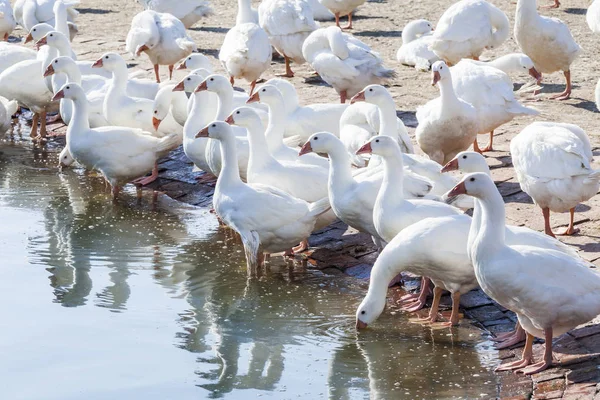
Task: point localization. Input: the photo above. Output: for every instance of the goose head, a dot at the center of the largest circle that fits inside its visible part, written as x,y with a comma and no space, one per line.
191,81
69,91
440,72
162,105
60,64
369,310
65,159
467,162
38,32
195,61
380,145
215,83
218,130
110,62
321,142
476,184
527,65
267,94
244,116
53,39
374,94
415,29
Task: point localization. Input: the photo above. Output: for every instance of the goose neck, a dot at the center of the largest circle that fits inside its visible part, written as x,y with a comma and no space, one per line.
73,74
119,79
274,133
507,63
259,152
492,225
225,104
393,177
61,23
340,172
409,34
447,91
244,14
526,8
79,120
388,125
230,174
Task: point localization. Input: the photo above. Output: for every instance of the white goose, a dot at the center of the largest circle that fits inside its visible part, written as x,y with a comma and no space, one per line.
195,61
553,166
7,19
490,91
170,106
29,13
246,51
447,124
467,28
344,62
162,37
188,11
417,36
592,16
341,8
352,196
547,41
303,121
288,23
119,153
270,219
7,110
551,292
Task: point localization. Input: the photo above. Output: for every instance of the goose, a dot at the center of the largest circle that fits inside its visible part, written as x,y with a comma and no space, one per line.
119,153
188,11
592,16
551,292
171,106
270,219
246,51
512,63
303,121
7,109
344,62
447,124
490,92
547,41
7,19
449,266
352,196
287,23
305,182
29,13
342,7
467,28
272,97
246,13
417,36
553,166
162,37
195,61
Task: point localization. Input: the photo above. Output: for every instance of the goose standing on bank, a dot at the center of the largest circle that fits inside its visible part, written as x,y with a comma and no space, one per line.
344,62
7,19
467,28
162,37
287,23
246,51
547,41
553,166
342,7
417,36
187,11
551,292
447,124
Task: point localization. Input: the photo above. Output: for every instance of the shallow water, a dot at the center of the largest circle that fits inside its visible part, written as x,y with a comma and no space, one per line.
126,300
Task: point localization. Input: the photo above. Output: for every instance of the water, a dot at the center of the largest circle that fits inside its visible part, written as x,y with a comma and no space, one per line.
127,300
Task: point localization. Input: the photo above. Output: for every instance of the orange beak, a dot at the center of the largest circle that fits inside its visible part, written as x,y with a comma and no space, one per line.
535,74
156,123
436,78
41,42
360,96
179,88
140,50
29,38
203,86
98,63
181,66
253,99
49,71
360,324
457,190
202,133
230,120
365,149
451,166
59,95
307,148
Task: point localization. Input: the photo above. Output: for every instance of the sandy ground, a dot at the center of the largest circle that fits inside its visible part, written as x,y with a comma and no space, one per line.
104,25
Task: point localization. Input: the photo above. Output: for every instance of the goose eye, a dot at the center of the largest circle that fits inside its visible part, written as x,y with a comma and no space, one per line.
370,90
237,112
55,61
464,157
472,179
212,79
155,111
51,34
441,68
376,140
106,57
363,312
68,87
189,79
315,138
214,125
264,90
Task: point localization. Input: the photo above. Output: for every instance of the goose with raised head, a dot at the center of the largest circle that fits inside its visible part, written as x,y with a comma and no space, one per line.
547,41
187,11
7,20
342,7
490,92
553,166
447,124
287,23
119,153
417,36
267,219
551,292
162,37
344,62
246,51
303,121
467,28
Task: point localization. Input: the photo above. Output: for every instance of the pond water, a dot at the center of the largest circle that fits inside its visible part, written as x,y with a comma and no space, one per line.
131,301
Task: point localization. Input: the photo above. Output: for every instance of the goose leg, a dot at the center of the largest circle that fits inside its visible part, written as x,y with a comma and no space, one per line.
303,246
288,70
435,305
156,73
5,37
231,80
525,357
43,131
546,362
513,338
555,5
476,146
422,299
567,93
547,227
349,26
34,126
252,86
171,71
570,229
115,192
343,96
337,20
455,316
148,179
489,147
